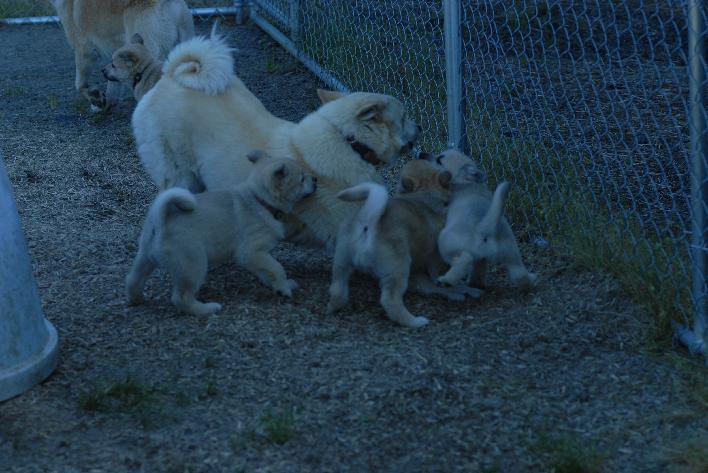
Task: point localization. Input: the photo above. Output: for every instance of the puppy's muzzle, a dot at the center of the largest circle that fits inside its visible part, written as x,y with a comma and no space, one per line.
107,74
314,188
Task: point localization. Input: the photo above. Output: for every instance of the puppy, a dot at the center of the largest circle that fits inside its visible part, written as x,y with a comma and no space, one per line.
134,66
393,238
476,232
106,25
196,125
184,233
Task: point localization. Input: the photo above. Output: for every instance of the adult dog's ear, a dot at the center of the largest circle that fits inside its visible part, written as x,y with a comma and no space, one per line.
329,95
256,155
369,112
408,184
444,179
137,39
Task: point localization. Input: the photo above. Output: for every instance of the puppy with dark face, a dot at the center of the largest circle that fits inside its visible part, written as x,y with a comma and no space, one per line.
134,66
184,232
476,232
393,239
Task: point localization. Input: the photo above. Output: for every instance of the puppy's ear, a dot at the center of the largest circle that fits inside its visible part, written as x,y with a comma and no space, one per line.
470,173
137,39
281,171
129,58
369,112
444,179
329,95
408,184
256,155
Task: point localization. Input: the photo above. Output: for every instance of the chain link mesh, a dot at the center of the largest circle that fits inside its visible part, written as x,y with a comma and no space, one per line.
583,105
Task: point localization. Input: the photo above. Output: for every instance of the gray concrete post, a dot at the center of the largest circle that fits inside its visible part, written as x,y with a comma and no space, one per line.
28,342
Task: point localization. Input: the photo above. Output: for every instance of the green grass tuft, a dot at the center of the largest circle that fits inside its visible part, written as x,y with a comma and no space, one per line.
565,454
279,426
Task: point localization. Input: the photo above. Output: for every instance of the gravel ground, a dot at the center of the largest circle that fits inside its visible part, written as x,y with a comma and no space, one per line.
512,383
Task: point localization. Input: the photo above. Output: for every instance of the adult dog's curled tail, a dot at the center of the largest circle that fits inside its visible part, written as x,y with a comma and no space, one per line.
203,64
175,197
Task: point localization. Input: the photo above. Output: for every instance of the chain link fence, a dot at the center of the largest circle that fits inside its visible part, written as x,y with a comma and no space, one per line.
594,109
584,105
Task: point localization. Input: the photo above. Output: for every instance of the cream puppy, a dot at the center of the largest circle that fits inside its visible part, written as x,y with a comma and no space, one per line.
393,239
184,233
476,232
134,66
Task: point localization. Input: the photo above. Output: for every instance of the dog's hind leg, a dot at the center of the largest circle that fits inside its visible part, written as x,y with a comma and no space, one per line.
393,287
341,272
139,273
459,269
188,272
517,272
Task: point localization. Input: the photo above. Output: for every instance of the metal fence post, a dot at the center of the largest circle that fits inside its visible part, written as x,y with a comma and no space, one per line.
239,6
696,340
294,18
456,133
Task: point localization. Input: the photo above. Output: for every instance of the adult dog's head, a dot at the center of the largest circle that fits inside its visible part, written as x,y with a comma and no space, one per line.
374,125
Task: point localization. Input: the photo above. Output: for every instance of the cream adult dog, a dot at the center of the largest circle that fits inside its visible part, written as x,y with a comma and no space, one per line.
476,232
194,128
106,25
394,239
134,66
184,233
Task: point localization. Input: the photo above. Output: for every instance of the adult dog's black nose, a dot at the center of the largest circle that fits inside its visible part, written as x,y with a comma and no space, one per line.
424,155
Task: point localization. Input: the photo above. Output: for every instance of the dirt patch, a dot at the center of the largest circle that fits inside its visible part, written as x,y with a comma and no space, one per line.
271,384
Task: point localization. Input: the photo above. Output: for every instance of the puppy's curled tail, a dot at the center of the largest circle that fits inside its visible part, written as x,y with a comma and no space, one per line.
376,199
177,197
203,64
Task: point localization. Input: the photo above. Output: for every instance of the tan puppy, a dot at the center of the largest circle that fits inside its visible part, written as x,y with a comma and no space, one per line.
393,238
196,125
134,66
184,233
476,232
106,25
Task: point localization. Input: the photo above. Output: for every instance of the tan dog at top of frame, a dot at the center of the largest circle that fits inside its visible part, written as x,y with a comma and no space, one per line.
184,233
197,124
395,240
134,66
106,25
476,232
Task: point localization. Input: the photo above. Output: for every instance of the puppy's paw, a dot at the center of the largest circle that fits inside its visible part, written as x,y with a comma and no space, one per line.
292,284
285,288
527,282
472,292
207,308
443,281
415,322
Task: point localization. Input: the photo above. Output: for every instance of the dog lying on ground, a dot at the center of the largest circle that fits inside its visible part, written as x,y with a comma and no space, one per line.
134,66
106,25
196,126
184,233
394,239
476,232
